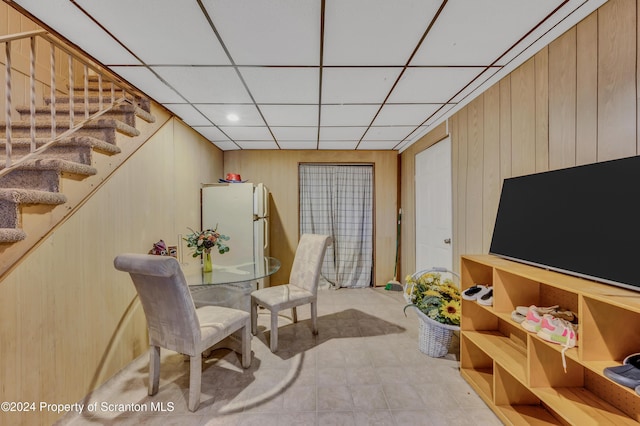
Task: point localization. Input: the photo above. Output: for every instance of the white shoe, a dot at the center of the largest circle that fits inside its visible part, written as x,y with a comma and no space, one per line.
485,297
472,292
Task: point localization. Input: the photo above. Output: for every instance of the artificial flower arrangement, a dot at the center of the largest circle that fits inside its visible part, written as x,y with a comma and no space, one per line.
203,241
437,298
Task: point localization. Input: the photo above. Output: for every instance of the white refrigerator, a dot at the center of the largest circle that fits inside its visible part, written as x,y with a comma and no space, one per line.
241,212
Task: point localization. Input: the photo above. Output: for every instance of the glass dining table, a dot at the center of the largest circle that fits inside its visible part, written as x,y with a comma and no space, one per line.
229,285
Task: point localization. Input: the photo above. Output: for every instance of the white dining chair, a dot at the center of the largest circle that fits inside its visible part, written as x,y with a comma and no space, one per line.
301,289
174,322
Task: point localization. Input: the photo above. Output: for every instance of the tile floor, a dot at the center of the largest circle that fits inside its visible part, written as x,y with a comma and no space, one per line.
363,368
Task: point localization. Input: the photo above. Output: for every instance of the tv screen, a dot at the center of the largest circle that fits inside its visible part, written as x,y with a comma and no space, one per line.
583,221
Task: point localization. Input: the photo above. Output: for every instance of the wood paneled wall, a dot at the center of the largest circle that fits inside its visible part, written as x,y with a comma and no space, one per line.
68,319
575,102
279,171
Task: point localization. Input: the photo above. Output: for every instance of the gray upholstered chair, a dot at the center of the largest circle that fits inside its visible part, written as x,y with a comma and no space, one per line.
173,321
302,287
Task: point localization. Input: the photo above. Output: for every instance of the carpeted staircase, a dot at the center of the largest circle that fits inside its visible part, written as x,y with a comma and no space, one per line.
37,181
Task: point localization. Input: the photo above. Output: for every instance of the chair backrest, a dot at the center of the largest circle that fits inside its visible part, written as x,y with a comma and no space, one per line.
166,300
305,272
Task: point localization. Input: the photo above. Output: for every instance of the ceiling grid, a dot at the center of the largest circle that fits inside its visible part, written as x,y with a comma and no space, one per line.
310,74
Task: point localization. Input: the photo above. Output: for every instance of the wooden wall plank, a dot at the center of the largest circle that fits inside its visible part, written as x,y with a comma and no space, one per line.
562,101
541,63
455,170
475,159
616,79
491,181
523,119
505,129
461,189
587,90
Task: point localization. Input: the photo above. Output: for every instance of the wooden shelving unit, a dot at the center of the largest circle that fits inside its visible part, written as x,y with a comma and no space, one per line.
519,375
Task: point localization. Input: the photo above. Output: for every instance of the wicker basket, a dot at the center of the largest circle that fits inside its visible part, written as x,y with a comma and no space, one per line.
434,338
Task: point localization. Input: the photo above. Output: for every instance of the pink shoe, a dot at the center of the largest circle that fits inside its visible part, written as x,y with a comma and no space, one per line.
557,330
533,320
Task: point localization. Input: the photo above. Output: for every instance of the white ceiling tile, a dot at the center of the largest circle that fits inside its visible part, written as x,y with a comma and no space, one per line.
341,133
431,85
377,145
227,146
257,133
266,144
247,114
411,114
146,81
290,115
298,144
206,84
286,32
65,18
348,115
387,133
155,32
211,133
337,144
374,32
295,133
478,32
188,114
357,85
282,85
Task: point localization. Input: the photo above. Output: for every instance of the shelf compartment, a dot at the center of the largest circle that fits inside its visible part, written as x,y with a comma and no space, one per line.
512,290
476,366
518,405
578,405
623,398
477,317
545,366
472,272
506,352
610,332
579,394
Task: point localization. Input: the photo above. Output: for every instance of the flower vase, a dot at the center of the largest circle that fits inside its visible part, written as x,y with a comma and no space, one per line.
206,262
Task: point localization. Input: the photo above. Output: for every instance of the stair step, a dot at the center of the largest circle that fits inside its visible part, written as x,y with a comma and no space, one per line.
102,128
31,196
12,198
11,235
125,113
78,149
142,103
43,174
70,141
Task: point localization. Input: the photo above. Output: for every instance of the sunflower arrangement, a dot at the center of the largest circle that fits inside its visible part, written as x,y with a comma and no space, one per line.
437,298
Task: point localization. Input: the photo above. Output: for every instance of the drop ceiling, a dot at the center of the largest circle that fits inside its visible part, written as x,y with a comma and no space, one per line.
310,74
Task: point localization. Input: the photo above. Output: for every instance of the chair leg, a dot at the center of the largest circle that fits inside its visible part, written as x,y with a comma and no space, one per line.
274,331
254,317
314,317
154,369
294,314
195,377
246,346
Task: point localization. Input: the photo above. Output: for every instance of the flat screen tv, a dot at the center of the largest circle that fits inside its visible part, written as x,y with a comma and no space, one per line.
583,221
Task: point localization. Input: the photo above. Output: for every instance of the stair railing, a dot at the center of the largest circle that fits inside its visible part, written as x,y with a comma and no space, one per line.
119,93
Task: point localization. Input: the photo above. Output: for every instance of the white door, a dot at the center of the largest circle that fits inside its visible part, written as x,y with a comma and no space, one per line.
433,207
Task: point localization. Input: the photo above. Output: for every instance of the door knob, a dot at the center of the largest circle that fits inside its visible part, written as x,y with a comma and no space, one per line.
447,240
